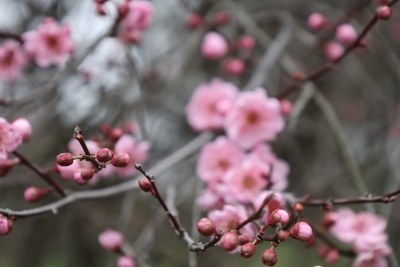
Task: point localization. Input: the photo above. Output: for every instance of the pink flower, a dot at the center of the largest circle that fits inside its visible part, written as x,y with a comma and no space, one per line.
246,180
23,128
216,158
12,60
279,168
125,261
301,231
111,239
137,20
230,217
138,153
364,230
373,258
246,42
6,225
254,118
209,104
49,44
9,138
333,50
214,46
234,66
346,33
210,198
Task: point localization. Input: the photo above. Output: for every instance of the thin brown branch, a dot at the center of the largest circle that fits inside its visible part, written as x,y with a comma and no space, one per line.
79,137
9,35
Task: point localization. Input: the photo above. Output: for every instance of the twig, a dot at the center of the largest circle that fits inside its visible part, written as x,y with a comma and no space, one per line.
79,137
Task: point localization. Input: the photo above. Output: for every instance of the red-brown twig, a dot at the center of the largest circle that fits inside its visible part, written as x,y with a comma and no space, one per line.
79,137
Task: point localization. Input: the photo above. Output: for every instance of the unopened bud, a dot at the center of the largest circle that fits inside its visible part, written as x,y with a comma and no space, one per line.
301,231
298,207
111,240
346,33
194,20
328,220
234,66
286,107
33,194
104,155
248,250
64,159
246,42
206,227
384,12
120,160
145,185
87,173
229,241
317,21
78,178
278,216
116,134
5,225
269,257
221,18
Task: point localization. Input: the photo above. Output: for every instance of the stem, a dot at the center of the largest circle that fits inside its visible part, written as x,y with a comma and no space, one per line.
79,137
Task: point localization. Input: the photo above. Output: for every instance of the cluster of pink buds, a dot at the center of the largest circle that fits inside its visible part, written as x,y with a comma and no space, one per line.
5,225
195,20
112,240
234,240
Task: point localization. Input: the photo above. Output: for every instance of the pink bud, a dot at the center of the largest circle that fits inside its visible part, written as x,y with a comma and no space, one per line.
64,159
5,166
111,240
221,18
278,216
5,225
317,21
301,231
333,50
332,256
104,155
125,261
283,235
229,241
246,42
214,46
145,185
78,178
248,250
116,134
87,173
346,33
269,257
234,66
194,20
22,127
328,220
33,194
244,239
384,12
120,160
286,107
206,227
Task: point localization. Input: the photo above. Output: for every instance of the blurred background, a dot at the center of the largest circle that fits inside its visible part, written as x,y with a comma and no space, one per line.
151,84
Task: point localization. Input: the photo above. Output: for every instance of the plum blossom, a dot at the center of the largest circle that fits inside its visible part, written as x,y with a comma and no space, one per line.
209,104
50,44
373,258
12,60
111,240
211,198
216,158
333,50
10,139
346,33
277,202
254,118
137,20
138,153
214,46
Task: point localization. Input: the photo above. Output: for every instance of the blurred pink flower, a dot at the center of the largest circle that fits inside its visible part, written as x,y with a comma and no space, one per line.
136,20
138,153
125,261
209,104
333,50
50,44
214,46
316,21
254,118
12,60
23,128
210,198
10,139
111,239
374,258
346,33
277,202
216,158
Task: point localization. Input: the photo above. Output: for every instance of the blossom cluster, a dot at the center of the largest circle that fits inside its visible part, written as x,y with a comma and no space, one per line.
49,44
112,240
12,135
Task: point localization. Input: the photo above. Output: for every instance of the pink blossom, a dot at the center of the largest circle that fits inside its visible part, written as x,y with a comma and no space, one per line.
50,44
138,152
210,198
279,168
363,230
246,42
12,60
373,258
23,128
246,180
234,66
214,46
301,231
333,50
254,118
230,217
209,104
111,239
10,139
137,20
6,225
346,33
216,158
125,261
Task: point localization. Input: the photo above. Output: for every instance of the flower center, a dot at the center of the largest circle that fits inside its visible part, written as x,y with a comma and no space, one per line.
252,117
248,182
8,58
223,164
52,41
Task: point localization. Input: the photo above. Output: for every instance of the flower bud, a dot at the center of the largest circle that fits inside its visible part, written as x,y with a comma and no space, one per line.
317,21
214,46
64,159
301,231
194,20
120,160
244,239
278,216
104,155
246,42
283,235
229,241
384,12
5,225
5,166
234,66
116,134
206,227
125,261
247,250
328,220
269,257
87,173
333,50
332,256
33,194
221,18
111,240
346,33
22,127
286,107
78,178
145,185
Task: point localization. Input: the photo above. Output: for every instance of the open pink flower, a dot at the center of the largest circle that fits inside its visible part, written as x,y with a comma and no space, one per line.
254,118
50,44
12,60
214,46
216,158
211,198
138,153
136,20
10,139
209,104
373,258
